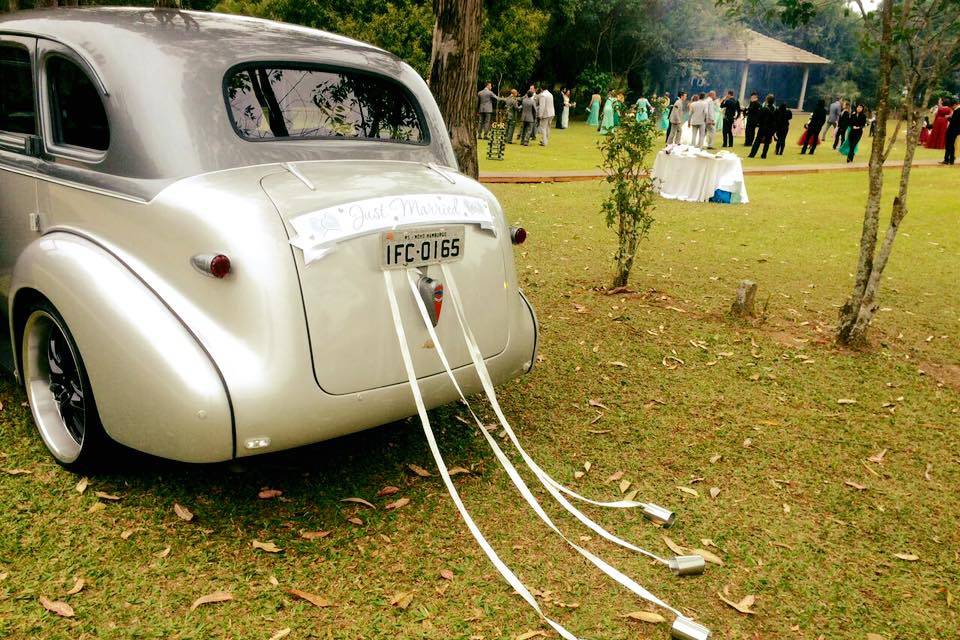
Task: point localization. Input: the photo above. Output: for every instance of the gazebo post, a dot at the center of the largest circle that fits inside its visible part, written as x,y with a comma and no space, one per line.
743,80
803,86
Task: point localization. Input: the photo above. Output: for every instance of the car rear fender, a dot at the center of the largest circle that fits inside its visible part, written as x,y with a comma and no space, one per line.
156,388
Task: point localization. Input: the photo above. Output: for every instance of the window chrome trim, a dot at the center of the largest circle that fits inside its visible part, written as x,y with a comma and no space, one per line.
301,65
47,49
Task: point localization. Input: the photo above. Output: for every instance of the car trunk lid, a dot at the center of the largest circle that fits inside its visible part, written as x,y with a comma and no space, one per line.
352,339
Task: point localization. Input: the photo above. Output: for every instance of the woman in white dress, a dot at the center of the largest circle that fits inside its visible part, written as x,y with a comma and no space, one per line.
567,105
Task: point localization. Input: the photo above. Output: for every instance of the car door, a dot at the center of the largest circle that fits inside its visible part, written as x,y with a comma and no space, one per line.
19,147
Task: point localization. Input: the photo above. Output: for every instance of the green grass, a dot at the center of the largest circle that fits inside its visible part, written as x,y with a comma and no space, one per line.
825,567
575,149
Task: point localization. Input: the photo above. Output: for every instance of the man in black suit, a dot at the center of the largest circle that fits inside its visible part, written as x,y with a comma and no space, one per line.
731,111
753,115
953,130
766,125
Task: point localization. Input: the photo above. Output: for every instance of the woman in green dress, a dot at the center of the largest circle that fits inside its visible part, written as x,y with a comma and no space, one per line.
617,107
594,110
663,104
643,109
607,123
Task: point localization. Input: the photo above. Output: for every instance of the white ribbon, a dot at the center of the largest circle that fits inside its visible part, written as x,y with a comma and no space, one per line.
504,570
521,486
551,485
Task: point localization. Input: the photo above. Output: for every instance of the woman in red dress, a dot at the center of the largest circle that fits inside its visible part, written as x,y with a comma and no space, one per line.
925,131
938,136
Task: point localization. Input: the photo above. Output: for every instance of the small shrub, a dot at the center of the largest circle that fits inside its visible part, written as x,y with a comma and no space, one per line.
632,199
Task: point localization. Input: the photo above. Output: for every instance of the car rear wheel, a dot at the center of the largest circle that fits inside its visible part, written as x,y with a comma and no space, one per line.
59,391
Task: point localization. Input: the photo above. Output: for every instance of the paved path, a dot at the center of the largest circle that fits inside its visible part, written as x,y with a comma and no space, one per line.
595,174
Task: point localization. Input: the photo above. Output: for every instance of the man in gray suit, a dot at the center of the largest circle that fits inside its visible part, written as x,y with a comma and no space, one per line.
833,117
528,115
512,103
698,120
485,101
676,118
545,113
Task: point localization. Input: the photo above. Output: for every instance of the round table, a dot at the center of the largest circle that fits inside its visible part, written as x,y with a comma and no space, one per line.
693,175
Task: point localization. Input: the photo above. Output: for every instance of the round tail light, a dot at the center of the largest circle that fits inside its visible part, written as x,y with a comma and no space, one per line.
518,235
216,265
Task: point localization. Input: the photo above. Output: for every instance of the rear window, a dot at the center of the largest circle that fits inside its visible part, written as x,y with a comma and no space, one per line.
77,114
274,102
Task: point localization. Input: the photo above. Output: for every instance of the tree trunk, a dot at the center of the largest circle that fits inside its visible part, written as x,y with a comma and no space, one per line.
453,75
868,306
851,332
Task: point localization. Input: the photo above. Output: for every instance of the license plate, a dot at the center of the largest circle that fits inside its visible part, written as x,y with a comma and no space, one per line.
420,246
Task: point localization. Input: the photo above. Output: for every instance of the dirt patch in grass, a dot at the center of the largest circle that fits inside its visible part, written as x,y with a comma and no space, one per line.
946,374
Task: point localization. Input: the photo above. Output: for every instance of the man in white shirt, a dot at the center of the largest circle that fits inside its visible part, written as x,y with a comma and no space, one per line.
545,113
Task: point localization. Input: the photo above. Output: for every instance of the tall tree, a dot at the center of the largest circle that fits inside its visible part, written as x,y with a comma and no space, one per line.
918,45
453,75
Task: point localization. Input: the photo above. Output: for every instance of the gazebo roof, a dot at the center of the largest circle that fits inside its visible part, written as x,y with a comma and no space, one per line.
750,46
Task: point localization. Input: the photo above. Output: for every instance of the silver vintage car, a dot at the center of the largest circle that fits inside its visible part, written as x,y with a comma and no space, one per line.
196,212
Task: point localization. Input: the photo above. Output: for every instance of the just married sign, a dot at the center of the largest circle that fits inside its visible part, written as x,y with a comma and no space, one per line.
318,232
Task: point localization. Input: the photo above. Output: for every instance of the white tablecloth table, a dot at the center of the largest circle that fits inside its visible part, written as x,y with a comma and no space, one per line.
691,174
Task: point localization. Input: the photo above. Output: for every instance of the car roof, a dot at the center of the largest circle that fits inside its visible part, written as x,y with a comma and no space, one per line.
162,72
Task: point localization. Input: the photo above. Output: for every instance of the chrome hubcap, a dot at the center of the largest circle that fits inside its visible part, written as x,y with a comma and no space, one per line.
54,386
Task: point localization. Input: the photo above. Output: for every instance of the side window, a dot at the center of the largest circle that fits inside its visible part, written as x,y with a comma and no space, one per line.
17,112
77,115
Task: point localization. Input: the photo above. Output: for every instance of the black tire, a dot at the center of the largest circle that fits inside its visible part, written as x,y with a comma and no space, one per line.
59,392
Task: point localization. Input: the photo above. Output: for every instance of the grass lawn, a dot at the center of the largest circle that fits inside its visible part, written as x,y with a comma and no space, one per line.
575,149
803,520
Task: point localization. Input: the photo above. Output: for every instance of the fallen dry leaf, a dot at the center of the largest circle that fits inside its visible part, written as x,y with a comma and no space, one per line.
96,506
82,485
273,580
282,633
673,546
846,401
389,490
878,457
18,472
315,600
456,471
314,535
927,475
624,485
909,557
358,501
710,557
578,474
743,606
402,502
127,533
598,404
617,363
875,636
714,492
689,491
57,606
402,599
269,547
106,496
855,485
531,634
615,476
268,494
163,553
77,587
446,574
355,520
645,616
182,512
420,471
210,598
587,465
715,458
